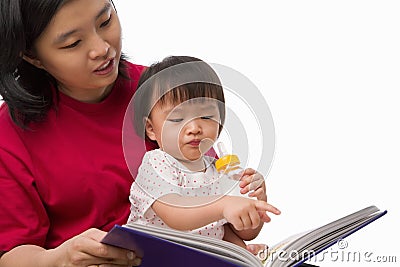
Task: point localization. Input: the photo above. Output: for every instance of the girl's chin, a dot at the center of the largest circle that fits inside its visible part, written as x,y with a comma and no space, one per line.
190,158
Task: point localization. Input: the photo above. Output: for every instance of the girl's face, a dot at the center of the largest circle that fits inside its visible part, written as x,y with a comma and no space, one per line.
179,129
81,48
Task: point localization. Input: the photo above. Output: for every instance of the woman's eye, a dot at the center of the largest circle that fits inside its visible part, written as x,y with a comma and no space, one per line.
175,120
105,23
71,45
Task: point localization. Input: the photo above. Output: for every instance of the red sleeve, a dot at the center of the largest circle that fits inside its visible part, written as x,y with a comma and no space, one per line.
23,219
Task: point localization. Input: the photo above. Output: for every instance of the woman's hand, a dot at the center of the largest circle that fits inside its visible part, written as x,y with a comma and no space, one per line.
253,182
86,250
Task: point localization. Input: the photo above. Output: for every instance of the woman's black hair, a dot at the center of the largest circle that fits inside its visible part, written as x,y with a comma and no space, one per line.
26,89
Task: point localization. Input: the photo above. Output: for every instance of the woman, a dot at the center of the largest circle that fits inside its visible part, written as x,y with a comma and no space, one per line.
63,177
62,169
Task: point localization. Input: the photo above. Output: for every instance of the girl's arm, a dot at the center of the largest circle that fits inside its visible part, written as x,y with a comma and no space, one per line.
188,213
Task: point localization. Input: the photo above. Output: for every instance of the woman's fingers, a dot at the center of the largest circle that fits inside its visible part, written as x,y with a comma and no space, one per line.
118,265
251,182
256,248
86,249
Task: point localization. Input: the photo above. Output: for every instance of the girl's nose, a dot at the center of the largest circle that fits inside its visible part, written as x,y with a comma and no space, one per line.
193,126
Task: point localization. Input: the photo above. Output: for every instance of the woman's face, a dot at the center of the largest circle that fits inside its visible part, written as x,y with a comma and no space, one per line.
81,48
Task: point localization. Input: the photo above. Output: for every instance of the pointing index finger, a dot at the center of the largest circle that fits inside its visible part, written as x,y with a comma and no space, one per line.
264,206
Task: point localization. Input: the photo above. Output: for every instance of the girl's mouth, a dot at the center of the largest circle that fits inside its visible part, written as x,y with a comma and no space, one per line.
195,142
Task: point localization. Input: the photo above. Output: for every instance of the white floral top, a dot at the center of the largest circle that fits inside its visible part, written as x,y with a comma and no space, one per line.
160,174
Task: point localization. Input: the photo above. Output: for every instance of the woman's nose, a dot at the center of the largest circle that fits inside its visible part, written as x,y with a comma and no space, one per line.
100,48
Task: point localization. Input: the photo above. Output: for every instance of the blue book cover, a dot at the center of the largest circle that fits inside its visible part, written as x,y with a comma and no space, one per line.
160,252
167,247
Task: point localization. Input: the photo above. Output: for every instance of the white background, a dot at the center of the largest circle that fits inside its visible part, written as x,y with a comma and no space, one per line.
330,73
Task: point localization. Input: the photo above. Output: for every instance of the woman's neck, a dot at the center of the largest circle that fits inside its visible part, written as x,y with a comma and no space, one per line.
87,95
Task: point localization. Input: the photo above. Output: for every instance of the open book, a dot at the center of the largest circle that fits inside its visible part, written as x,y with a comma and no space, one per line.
166,247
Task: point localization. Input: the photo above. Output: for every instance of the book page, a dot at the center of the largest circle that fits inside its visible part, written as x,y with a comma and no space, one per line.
308,244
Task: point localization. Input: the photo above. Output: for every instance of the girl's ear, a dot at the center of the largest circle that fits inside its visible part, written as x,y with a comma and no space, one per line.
28,57
149,129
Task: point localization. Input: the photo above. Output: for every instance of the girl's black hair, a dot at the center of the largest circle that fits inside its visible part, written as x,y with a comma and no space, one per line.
163,82
26,89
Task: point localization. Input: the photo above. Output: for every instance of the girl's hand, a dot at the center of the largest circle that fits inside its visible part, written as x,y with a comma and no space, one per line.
253,182
244,213
86,250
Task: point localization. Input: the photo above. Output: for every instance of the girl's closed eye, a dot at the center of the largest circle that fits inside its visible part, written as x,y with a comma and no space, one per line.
175,120
207,117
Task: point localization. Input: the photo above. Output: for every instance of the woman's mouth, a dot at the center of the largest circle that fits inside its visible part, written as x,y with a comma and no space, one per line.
106,68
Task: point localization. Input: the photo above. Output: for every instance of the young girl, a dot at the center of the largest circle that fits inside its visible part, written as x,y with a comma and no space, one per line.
180,106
